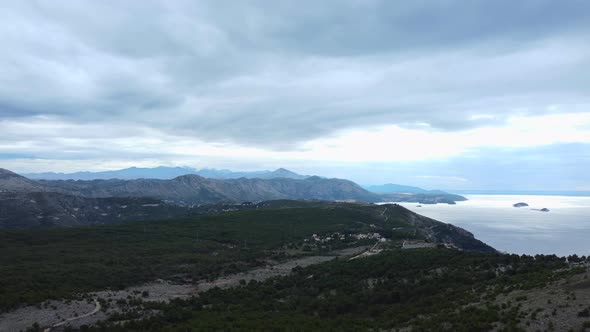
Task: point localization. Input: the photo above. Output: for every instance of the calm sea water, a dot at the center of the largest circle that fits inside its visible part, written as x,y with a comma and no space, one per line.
563,231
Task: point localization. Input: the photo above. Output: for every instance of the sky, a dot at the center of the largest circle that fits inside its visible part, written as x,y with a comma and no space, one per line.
442,94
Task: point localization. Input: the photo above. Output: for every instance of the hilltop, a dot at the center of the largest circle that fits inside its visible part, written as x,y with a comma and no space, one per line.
10,181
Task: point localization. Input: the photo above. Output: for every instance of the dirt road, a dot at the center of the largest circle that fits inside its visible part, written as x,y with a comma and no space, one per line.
67,321
57,314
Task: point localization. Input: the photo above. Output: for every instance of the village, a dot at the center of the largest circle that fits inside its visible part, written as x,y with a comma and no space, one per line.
338,240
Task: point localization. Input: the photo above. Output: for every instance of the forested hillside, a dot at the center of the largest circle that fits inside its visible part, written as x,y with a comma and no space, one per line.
46,263
420,290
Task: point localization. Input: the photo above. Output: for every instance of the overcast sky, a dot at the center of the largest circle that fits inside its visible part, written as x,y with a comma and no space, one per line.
443,94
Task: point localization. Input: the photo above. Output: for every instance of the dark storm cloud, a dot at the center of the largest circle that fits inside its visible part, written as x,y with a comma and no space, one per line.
276,74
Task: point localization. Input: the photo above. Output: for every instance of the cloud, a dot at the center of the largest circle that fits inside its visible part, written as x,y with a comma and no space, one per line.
51,138
277,75
225,82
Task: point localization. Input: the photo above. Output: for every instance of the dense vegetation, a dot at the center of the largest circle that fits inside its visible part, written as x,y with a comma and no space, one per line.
55,263
426,289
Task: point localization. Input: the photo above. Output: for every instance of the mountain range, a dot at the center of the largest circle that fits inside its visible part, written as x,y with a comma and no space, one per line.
194,189
168,173
74,202
165,173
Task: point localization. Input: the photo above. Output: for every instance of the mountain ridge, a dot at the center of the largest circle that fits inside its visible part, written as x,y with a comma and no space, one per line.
11,181
164,173
86,202
194,189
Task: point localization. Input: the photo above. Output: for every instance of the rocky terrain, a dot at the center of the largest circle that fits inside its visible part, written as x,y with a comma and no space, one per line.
22,210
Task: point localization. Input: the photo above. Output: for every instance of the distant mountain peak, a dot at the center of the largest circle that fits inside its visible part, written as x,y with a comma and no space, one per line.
284,171
10,181
4,174
165,173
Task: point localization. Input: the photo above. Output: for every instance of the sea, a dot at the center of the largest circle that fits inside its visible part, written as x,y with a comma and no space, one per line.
564,230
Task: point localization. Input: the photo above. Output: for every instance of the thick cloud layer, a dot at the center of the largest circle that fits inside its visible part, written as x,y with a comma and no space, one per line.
277,74
92,79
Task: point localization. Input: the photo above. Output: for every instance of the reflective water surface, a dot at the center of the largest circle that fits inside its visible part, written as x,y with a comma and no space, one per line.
564,230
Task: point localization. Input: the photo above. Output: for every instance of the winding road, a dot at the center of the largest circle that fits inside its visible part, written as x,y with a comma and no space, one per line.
96,309
383,214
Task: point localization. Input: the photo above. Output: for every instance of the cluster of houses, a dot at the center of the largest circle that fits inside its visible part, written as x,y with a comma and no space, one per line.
315,238
421,244
327,238
370,236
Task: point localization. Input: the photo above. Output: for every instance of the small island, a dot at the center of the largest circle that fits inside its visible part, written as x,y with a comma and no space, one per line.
541,210
521,204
